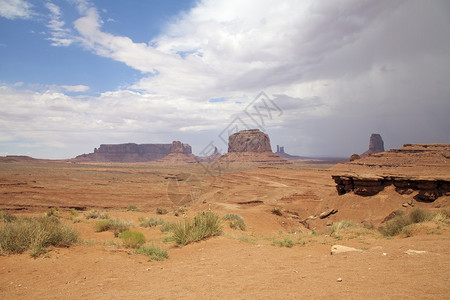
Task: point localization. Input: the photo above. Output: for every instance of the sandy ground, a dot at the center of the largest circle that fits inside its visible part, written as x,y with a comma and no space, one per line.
238,264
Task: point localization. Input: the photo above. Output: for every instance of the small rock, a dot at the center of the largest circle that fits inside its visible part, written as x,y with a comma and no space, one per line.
405,204
328,212
409,252
339,279
336,249
384,254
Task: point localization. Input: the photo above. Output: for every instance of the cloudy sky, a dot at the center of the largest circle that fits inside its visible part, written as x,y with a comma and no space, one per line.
75,74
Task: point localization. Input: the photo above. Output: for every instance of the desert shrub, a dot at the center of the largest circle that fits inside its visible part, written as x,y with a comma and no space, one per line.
132,239
286,242
132,207
440,216
419,215
277,211
232,217
7,217
152,222
161,211
342,225
76,220
154,252
74,212
236,221
238,225
102,225
204,225
95,214
35,235
115,225
395,225
179,211
167,226
53,212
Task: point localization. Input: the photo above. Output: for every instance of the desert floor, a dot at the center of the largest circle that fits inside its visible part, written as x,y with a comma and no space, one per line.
237,264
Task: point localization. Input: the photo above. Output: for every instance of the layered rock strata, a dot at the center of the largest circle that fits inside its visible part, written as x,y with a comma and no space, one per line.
420,168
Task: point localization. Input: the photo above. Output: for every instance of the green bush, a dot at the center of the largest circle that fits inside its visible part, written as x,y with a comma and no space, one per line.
101,225
286,242
154,252
395,225
204,225
152,222
132,239
35,235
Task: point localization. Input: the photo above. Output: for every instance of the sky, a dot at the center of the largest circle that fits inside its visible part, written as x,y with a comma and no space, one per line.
318,76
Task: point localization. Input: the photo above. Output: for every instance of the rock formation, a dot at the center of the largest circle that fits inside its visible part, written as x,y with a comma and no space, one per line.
354,157
179,154
251,140
280,152
251,146
131,152
422,169
376,145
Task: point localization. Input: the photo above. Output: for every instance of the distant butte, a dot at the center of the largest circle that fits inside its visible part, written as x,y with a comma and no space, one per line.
130,152
376,145
251,146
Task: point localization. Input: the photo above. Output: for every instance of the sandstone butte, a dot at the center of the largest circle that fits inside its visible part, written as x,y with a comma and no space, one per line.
252,147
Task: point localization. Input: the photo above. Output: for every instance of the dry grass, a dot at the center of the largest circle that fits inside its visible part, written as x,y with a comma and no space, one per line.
35,235
204,225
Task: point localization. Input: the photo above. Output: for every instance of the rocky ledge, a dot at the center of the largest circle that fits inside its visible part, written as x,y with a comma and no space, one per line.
421,168
429,189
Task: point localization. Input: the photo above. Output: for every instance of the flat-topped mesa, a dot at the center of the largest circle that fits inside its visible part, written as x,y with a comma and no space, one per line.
376,145
252,140
131,152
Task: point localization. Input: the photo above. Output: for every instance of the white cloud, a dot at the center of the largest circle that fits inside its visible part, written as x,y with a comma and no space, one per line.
15,9
60,35
75,88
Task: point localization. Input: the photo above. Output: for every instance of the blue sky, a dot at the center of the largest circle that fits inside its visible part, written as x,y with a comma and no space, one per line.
77,73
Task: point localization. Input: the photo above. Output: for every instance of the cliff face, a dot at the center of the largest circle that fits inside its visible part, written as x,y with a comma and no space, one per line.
131,152
419,170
